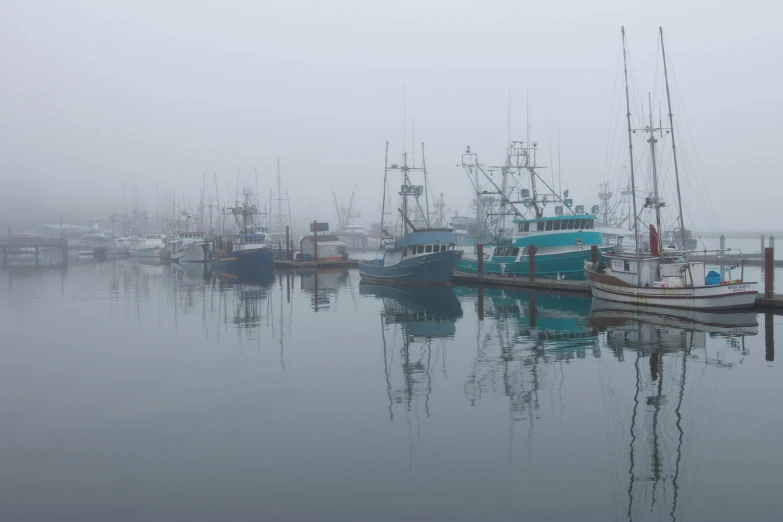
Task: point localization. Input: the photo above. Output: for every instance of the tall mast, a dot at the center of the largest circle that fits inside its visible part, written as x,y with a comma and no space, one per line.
404,193
655,180
630,154
426,188
674,146
383,203
279,202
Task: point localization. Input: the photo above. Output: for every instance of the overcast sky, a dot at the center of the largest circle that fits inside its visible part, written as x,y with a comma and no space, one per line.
97,96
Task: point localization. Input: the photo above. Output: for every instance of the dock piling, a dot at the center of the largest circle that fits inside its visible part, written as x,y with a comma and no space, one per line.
480,253
769,336
315,246
594,253
769,273
531,254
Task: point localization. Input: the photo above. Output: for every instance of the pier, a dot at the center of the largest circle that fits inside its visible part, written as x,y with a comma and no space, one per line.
327,263
16,243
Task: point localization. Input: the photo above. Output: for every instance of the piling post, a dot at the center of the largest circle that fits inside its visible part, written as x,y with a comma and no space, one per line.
315,245
287,245
531,255
771,241
769,273
594,254
769,335
481,303
480,253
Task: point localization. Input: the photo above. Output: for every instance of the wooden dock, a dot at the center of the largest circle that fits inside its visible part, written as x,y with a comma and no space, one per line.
522,283
309,265
733,259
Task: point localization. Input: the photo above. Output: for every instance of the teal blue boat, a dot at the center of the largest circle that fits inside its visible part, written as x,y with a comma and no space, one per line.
562,241
416,253
562,246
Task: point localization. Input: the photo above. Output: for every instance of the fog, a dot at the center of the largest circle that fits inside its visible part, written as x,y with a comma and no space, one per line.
97,97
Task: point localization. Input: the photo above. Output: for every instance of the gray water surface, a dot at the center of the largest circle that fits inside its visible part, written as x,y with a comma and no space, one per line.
142,392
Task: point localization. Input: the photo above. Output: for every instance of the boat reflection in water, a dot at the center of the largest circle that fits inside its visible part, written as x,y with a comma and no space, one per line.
609,313
323,285
522,338
422,319
252,289
662,418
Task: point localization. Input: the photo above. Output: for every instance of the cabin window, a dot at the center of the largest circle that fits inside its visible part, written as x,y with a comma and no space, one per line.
524,227
581,224
549,225
412,250
626,266
558,223
589,223
428,249
570,224
420,249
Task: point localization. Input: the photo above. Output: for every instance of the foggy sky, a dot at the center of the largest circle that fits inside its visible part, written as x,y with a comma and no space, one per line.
97,96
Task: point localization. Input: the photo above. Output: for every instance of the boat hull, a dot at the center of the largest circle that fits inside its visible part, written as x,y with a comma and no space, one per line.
432,269
714,297
194,253
566,265
246,259
146,252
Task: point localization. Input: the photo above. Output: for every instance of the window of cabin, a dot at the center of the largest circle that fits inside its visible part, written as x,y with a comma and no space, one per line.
549,225
420,249
589,223
428,249
570,224
443,248
558,223
581,224
515,251
626,266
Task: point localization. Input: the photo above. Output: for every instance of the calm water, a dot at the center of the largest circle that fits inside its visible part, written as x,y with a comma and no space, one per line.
141,392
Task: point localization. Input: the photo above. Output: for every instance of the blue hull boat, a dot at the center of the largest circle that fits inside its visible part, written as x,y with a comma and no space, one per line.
245,259
434,269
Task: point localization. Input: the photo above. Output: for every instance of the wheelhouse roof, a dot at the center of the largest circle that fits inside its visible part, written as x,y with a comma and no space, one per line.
556,218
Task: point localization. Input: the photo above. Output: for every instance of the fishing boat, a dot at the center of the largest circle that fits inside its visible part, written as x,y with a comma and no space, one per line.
189,247
413,254
248,248
662,277
148,246
562,241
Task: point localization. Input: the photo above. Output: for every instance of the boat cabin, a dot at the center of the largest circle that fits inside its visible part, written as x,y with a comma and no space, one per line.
419,243
251,241
651,272
557,231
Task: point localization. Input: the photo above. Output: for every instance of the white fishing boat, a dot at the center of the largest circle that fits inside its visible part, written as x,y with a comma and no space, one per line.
148,245
189,247
662,277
